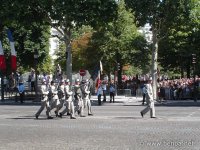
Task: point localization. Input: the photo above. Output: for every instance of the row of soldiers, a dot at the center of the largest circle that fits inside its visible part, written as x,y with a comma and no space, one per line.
74,98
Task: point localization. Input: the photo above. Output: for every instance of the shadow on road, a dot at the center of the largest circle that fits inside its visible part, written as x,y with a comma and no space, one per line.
128,118
33,118
179,104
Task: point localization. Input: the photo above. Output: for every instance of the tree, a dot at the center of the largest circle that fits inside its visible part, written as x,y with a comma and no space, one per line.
154,12
29,31
81,38
181,42
66,15
118,43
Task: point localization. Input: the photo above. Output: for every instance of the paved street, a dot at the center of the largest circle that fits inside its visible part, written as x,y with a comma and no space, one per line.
114,126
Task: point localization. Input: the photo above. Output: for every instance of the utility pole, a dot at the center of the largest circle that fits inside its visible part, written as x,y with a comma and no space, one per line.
36,74
195,89
2,86
69,62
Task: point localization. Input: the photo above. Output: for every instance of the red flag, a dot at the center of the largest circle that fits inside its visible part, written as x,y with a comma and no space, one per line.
97,74
2,59
98,82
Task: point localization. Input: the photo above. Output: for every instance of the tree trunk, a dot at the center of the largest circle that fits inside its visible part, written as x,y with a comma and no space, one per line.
68,55
119,77
182,71
188,71
154,63
119,71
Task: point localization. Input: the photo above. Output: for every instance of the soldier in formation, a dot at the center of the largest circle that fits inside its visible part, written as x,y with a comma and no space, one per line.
44,101
69,103
86,96
57,96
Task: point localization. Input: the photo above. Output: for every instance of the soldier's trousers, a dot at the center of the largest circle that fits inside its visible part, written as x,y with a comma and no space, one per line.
87,103
150,107
61,104
79,106
69,108
43,105
55,104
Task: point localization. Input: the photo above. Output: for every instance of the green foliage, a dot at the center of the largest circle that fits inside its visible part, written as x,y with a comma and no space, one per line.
29,31
195,12
133,71
26,41
176,24
70,13
81,38
67,15
181,42
119,41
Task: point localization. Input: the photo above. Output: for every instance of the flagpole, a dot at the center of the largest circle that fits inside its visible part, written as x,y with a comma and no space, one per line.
2,86
2,69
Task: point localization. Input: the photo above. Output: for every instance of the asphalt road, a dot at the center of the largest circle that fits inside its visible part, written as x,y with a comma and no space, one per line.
114,126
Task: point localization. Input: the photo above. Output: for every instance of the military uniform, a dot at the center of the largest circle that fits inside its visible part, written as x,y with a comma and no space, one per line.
78,99
61,95
86,97
54,98
68,101
150,101
44,102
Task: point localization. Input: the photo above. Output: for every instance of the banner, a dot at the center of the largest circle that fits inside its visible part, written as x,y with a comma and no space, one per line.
13,52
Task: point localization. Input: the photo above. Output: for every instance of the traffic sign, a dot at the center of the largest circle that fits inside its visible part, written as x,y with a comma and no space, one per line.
82,72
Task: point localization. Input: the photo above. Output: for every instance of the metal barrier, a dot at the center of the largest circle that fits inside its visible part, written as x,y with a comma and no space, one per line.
183,93
124,92
139,92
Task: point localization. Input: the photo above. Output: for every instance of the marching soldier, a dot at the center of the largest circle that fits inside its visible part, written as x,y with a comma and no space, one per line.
86,95
149,100
61,94
69,101
44,102
78,98
54,97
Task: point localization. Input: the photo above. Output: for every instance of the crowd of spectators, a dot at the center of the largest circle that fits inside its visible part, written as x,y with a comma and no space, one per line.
168,89
176,89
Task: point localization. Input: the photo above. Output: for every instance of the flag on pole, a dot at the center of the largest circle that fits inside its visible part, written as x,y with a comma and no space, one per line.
101,67
13,52
97,74
2,58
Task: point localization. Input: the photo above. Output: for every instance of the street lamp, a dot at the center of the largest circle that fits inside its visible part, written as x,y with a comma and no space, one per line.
36,80
195,89
69,62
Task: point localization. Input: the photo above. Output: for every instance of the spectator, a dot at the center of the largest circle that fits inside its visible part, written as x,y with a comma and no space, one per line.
112,92
99,93
21,88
